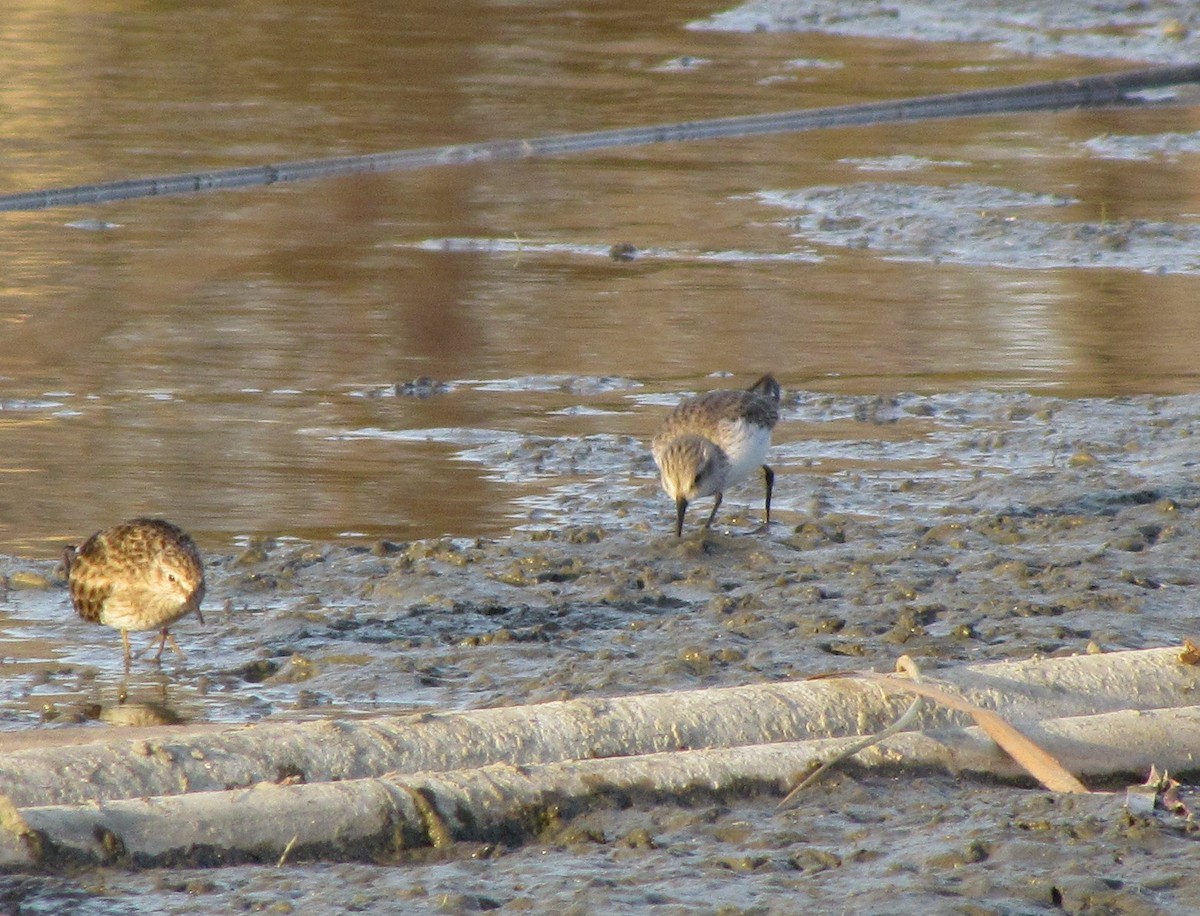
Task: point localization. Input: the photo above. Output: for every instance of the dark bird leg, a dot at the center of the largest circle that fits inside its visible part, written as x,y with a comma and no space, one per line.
162,644
713,514
161,639
125,641
769,480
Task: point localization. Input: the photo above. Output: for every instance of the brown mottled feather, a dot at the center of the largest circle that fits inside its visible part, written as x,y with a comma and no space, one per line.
758,404
140,575
89,596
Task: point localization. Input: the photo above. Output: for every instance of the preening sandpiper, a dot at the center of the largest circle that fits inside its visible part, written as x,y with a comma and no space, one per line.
712,441
140,575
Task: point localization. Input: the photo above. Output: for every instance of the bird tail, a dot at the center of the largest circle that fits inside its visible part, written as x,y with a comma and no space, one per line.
767,387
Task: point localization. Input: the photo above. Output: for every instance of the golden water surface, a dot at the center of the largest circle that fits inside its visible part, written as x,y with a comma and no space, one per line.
215,358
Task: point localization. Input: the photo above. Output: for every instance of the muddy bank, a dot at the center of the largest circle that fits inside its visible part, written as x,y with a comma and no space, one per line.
1160,30
976,224
950,528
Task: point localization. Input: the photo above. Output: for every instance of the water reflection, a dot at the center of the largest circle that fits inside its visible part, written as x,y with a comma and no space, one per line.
124,705
203,358
138,715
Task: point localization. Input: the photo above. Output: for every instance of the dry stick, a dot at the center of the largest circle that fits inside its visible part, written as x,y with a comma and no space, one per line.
369,818
1039,764
905,665
899,725
1116,89
171,760
286,850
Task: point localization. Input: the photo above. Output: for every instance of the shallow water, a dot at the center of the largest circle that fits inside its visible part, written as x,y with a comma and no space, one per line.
212,358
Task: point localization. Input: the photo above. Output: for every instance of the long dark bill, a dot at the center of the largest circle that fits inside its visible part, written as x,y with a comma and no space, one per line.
681,505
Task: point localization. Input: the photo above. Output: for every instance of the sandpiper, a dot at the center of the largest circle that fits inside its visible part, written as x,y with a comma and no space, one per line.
140,575
714,440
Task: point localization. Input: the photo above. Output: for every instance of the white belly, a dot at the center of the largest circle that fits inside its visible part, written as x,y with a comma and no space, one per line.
745,445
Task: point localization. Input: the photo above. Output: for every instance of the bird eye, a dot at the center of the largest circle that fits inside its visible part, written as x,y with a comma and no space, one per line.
171,577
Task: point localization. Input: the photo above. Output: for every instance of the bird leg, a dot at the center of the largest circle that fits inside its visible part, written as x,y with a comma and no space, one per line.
162,638
174,644
125,640
769,480
713,514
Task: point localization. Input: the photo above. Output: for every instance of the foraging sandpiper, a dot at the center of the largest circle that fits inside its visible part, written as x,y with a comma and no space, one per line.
712,441
141,575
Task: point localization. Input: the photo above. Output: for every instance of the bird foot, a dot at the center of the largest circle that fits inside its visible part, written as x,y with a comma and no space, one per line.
161,639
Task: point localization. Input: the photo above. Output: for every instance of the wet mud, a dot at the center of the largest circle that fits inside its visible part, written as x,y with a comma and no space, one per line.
977,224
950,528
1160,30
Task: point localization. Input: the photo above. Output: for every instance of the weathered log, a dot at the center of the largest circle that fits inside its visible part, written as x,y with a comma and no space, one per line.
382,816
171,760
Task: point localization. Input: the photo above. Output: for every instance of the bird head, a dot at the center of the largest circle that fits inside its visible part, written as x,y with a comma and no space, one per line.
691,467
